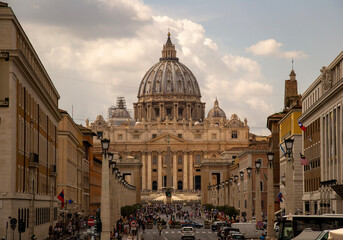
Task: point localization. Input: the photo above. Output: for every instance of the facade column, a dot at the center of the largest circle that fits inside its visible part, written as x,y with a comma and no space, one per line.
174,171
258,210
105,199
270,202
241,204
159,171
289,185
149,172
185,182
144,163
249,202
190,171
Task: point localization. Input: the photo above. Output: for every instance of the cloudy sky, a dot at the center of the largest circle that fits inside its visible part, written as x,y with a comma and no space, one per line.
240,51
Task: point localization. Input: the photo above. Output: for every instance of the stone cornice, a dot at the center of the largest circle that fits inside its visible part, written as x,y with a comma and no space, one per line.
337,88
37,86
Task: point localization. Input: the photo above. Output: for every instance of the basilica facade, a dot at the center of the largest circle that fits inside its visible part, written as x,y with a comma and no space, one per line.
169,112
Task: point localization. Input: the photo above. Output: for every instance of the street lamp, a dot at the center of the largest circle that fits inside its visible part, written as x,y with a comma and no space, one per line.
258,164
258,217
105,143
270,198
289,147
249,169
236,178
270,157
241,173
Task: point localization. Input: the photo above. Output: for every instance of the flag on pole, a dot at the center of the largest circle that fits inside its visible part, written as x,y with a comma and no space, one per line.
279,197
284,153
303,160
302,126
61,198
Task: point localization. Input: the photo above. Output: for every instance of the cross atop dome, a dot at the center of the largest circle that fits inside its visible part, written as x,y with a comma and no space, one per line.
169,52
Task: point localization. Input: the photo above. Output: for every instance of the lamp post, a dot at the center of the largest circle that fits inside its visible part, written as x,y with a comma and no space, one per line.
226,192
258,192
236,198
249,202
241,186
208,194
231,192
270,198
105,191
218,197
289,175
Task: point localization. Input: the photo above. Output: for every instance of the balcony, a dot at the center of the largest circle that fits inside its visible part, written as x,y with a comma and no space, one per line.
52,170
33,160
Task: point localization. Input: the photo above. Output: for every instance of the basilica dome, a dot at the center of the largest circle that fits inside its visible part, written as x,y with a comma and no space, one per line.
216,111
169,76
169,91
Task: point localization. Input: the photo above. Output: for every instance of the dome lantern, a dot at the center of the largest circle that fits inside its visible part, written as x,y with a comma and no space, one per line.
169,52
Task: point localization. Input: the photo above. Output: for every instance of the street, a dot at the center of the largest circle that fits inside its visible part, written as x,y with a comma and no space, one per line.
171,234
200,233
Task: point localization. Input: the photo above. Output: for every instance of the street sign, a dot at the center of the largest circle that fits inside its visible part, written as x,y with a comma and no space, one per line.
13,223
133,224
90,222
259,224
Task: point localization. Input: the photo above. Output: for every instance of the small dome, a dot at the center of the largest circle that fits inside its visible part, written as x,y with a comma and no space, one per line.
216,111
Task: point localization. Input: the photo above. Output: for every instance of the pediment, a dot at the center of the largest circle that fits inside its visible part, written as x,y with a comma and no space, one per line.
162,139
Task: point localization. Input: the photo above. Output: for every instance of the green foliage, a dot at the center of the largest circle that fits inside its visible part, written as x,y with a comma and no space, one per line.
231,211
129,210
209,206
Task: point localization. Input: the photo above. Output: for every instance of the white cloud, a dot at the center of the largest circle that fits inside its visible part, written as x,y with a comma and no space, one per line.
91,72
271,47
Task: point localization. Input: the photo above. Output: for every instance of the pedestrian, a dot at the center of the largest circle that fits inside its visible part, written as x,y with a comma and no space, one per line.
143,227
160,229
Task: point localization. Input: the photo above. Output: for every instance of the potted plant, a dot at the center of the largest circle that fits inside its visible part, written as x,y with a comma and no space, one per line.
149,224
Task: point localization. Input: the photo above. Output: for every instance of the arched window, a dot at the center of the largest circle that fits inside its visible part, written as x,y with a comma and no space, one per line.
154,160
154,186
179,185
198,159
179,160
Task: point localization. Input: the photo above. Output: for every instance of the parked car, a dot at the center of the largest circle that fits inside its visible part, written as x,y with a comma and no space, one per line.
235,235
218,224
226,231
191,223
187,233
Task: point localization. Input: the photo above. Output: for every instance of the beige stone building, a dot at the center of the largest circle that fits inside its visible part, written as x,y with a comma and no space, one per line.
169,111
323,141
28,133
73,166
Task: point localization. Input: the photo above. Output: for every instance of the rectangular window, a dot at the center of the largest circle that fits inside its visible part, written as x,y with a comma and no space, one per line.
179,170
179,135
120,136
234,134
214,136
154,136
135,136
197,136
